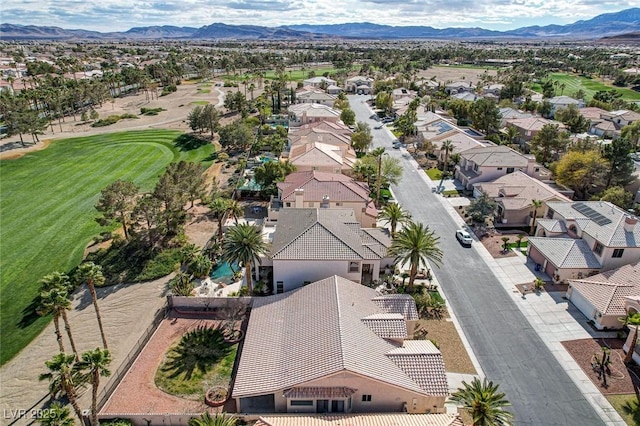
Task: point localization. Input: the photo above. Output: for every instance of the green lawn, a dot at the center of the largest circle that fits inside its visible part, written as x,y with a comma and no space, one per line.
294,75
627,406
47,214
434,174
573,83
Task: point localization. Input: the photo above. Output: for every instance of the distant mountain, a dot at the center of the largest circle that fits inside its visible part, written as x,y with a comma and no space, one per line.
608,24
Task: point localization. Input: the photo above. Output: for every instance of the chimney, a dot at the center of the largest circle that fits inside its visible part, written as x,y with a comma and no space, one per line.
299,200
325,202
630,223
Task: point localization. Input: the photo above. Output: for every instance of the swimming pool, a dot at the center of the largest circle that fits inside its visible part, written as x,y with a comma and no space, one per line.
223,273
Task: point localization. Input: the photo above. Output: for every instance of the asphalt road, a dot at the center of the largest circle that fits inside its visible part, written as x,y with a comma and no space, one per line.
509,351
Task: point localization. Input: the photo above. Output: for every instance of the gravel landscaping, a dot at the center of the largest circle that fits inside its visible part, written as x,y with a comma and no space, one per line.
444,334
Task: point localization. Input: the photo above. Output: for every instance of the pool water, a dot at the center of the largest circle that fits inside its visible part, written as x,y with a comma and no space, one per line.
223,273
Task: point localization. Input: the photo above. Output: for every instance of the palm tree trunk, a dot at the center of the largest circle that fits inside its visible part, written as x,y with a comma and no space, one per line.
220,235
71,395
56,326
629,356
248,274
67,327
95,383
412,275
94,296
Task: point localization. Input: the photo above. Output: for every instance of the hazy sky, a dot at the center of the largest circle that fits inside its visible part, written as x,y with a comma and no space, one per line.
119,15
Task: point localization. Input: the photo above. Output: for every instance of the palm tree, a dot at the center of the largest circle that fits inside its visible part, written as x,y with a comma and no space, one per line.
93,365
536,205
91,274
56,302
63,379
378,153
56,415
56,280
235,210
243,244
512,134
632,319
219,208
394,215
447,146
484,403
207,419
200,266
417,245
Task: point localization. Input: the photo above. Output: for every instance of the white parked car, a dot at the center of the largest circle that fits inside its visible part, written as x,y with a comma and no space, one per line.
464,237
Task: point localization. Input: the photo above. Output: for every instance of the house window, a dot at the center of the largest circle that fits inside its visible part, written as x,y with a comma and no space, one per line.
354,267
338,204
475,167
618,253
288,204
537,169
279,287
301,403
366,398
499,168
510,170
597,249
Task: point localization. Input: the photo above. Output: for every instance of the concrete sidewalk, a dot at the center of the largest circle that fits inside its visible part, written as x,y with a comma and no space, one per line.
552,317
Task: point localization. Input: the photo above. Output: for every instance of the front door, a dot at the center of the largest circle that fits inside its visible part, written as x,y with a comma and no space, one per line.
322,406
337,406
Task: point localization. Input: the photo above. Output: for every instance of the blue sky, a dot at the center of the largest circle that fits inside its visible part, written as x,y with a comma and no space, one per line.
121,15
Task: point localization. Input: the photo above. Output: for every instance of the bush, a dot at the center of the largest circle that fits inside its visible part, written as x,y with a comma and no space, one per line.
223,156
166,90
124,116
163,264
112,119
151,111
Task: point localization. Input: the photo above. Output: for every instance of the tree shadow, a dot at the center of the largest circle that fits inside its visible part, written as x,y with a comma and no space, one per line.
187,142
29,314
632,408
199,349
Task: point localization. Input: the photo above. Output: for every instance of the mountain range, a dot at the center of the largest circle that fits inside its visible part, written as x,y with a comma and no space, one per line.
605,25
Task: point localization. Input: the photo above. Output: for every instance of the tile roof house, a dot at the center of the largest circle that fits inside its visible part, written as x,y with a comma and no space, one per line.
484,164
459,87
514,194
300,114
329,126
508,113
314,188
318,134
313,350
601,297
621,117
528,128
319,81
311,95
559,102
382,419
323,157
579,239
359,84
310,244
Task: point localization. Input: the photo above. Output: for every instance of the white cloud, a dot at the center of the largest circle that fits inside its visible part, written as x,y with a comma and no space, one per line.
120,15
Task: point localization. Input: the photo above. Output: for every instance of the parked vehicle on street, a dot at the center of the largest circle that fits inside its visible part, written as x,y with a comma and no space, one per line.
463,237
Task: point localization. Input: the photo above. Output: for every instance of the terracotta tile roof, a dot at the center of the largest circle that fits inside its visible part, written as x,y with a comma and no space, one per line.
607,290
566,252
317,330
501,156
360,420
398,304
319,392
423,362
532,123
323,125
552,225
316,185
324,234
387,326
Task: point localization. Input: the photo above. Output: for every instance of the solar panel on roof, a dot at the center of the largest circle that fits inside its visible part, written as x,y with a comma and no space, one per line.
592,214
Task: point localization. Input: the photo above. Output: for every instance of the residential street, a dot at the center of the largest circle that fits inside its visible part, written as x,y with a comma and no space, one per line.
509,351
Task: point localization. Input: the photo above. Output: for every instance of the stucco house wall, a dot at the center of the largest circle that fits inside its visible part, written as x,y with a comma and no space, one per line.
294,273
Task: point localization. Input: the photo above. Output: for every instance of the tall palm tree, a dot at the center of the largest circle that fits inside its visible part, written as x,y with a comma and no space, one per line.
56,302
56,280
56,415
415,244
447,146
63,379
243,244
394,215
235,210
207,419
536,205
219,208
378,153
91,274
632,319
93,365
484,403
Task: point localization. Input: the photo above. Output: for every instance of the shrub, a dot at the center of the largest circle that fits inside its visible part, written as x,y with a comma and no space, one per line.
223,156
151,111
127,115
112,119
163,264
166,90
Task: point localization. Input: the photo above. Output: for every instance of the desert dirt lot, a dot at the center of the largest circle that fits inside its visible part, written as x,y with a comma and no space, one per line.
444,74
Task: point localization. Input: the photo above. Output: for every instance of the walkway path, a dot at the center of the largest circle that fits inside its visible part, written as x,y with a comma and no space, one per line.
127,310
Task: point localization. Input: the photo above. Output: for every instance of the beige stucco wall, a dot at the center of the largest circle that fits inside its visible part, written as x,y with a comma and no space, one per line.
293,273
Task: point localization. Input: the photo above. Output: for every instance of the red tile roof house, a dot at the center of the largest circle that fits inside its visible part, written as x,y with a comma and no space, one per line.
335,346
580,239
382,419
601,298
313,188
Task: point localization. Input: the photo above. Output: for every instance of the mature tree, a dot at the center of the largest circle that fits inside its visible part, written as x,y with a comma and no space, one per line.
415,244
218,419
618,196
341,102
91,274
536,205
447,147
56,302
148,213
116,203
269,173
384,101
621,167
243,244
631,319
210,118
236,135
235,210
63,379
485,115
511,135
573,119
548,142
348,117
361,138
581,171
394,215
484,402
219,207
56,415
632,133
93,365
200,266
195,118
545,108
482,207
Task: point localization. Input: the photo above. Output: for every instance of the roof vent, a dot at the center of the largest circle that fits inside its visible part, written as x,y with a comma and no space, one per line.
629,223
